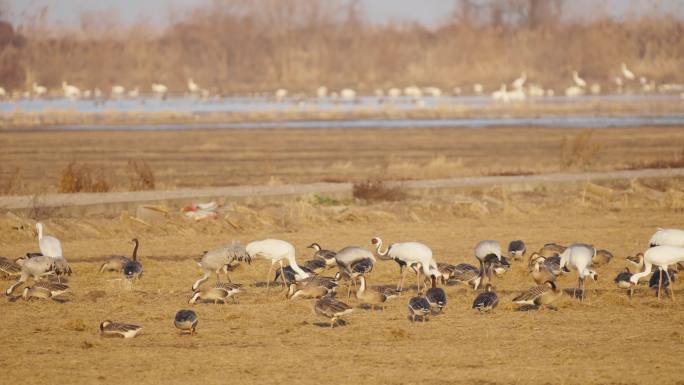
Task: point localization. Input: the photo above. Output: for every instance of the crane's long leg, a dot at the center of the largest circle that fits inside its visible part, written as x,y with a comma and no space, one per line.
669,280
282,273
268,278
660,282
418,279
400,287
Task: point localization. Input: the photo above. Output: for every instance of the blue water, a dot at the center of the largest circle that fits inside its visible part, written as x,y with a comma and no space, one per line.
365,104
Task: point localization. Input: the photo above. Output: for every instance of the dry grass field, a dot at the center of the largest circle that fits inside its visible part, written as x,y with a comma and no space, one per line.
33,162
266,339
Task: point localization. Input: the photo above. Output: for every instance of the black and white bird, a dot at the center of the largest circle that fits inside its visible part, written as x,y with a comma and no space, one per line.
436,296
186,321
419,306
325,255
487,300
516,250
133,269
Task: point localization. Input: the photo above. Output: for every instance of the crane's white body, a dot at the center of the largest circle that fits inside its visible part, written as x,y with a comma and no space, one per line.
49,245
193,87
578,256
626,72
347,257
118,91
520,82
661,256
348,94
322,92
276,251
159,89
412,254
668,237
581,83
486,247
70,92
39,90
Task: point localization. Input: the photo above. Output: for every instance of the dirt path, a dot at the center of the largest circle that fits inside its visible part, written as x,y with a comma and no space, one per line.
87,199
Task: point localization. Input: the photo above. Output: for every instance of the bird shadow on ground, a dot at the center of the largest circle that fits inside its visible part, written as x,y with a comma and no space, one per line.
326,325
368,307
419,319
534,307
278,284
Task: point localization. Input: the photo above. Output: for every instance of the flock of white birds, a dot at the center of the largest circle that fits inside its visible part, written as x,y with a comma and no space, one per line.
354,265
519,89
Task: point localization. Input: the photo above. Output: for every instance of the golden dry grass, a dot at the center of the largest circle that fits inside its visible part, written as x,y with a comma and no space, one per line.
266,339
237,157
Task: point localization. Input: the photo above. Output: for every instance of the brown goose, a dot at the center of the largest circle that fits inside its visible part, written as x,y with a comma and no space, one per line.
372,296
540,296
117,329
221,291
332,309
44,290
540,273
9,269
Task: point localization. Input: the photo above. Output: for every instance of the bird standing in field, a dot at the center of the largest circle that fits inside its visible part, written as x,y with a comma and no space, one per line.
186,321
371,295
418,306
516,250
36,268
276,251
133,269
326,255
436,297
52,247
217,260
487,300
410,254
579,256
332,309
661,256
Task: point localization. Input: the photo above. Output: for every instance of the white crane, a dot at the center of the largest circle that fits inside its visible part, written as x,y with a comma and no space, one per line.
159,89
667,237
49,245
578,80
52,247
217,259
193,87
579,257
347,257
411,254
574,91
118,91
39,90
520,82
70,92
484,249
478,88
629,75
280,94
322,92
501,94
348,94
276,250
661,256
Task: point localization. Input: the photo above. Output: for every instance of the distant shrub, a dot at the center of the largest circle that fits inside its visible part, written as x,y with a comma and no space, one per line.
140,175
81,178
376,190
579,151
325,200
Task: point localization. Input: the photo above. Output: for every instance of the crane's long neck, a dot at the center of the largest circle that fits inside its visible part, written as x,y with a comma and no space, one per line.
434,281
40,232
362,286
295,267
380,252
135,250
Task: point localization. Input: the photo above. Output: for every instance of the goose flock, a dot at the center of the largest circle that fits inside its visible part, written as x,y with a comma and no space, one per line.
48,270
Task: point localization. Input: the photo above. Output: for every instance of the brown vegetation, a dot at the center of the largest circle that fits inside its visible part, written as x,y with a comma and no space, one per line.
236,46
377,190
579,150
81,178
140,175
